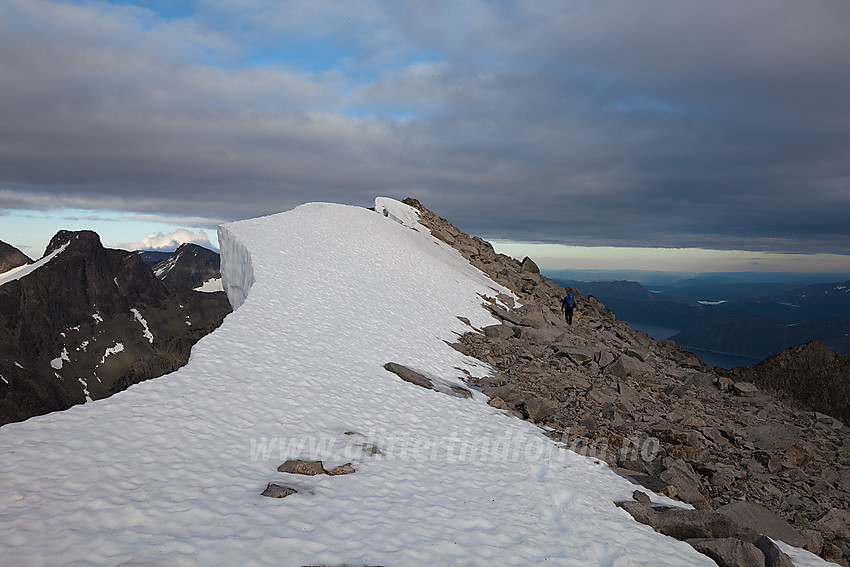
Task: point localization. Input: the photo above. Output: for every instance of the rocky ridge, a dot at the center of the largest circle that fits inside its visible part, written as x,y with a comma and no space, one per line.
801,374
655,412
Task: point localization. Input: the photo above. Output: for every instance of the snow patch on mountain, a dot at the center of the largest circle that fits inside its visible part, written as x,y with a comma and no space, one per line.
162,269
57,362
115,349
211,286
145,330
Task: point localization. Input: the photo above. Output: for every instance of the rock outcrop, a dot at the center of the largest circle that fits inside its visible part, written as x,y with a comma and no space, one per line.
91,322
809,376
653,410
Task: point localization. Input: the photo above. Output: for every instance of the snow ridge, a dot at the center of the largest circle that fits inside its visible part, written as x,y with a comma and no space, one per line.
170,471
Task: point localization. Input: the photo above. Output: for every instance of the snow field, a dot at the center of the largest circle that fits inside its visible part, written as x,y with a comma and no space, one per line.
170,471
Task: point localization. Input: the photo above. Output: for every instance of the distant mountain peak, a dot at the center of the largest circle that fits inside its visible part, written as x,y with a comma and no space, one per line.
11,257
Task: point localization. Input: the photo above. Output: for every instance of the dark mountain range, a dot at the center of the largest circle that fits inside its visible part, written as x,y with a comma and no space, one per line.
90,322
754,320
152,257
11,257
190,266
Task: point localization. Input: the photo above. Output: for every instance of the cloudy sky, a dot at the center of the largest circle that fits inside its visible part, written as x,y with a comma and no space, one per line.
721,125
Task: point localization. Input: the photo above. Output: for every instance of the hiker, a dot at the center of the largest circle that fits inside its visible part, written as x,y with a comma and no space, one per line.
568,304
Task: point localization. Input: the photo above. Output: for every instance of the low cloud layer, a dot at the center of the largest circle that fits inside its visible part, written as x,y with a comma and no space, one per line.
653,123
169,242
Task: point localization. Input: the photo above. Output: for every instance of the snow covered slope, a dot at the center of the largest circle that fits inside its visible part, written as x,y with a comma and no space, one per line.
171,470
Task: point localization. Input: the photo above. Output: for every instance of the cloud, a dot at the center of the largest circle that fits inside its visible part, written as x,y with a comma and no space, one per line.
169,242
654,123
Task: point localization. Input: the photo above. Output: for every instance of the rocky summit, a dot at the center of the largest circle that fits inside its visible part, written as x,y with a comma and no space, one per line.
657,414
90,322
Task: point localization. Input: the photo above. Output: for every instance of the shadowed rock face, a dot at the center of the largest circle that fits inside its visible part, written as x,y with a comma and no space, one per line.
810,375
190,266
655,411
11,257
90,323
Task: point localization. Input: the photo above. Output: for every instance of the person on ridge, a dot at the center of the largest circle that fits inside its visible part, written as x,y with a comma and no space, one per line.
568,304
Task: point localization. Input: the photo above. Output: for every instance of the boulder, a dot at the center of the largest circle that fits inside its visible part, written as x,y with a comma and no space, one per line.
688,524
298,466
498,331
538,409
744,389
765,522
528,265
409,375
509,393
688,484
730,552
772,436
277,491
342,469
837,522
577,354
773,556
626,365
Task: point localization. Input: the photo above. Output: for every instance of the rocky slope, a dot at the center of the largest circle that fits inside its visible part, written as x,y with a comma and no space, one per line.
11,257
803,376
91,322
190,266
657,413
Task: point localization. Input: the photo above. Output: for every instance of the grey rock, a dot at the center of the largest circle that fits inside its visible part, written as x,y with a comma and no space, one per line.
578,354
628,398
341,470
626,365
837,522
409,375
688,524
606,357
509,393
773,556
772,436
688,484
764,521
744,389
460,391
277,491
539,409
498,331
528,265
729,552
299,466
641,496
701,379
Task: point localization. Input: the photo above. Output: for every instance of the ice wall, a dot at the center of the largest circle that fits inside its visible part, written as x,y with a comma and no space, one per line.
237,270
397,211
